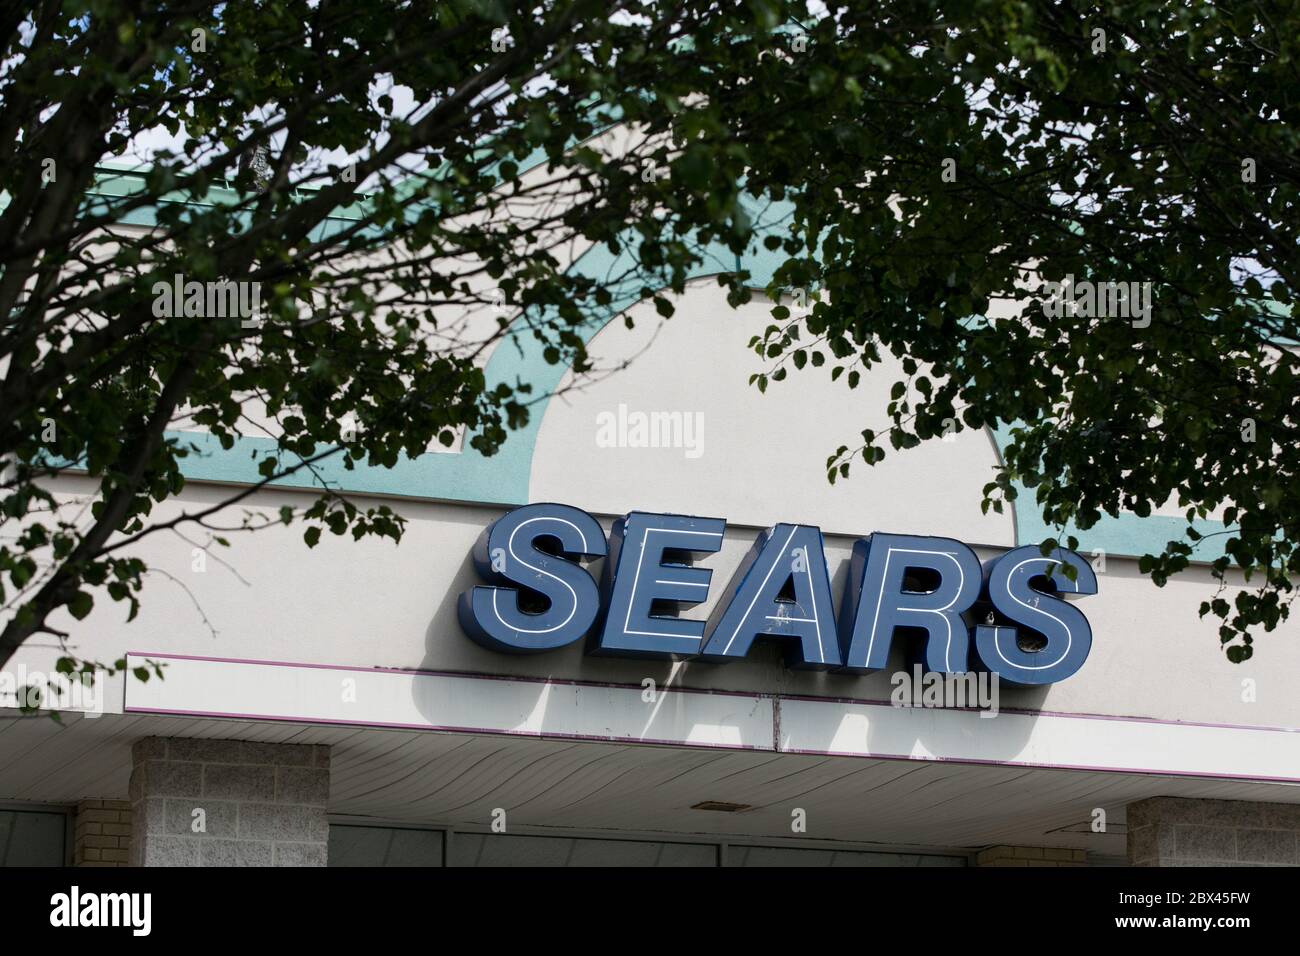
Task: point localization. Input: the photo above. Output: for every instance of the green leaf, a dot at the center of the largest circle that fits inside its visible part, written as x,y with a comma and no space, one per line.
80,605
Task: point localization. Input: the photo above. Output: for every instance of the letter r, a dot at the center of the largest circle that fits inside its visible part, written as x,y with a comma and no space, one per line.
880,600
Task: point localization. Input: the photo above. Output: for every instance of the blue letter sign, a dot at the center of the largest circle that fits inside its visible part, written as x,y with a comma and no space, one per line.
1011,591
789,554
539,597
647,563
507,553
878,600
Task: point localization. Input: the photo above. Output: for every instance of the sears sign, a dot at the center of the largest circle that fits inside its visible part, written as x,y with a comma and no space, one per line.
1009,615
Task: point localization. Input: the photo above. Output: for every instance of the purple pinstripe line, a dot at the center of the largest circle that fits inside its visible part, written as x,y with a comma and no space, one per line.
775,748
438,728
798,751
1025,711
436,673
1045,766
705,690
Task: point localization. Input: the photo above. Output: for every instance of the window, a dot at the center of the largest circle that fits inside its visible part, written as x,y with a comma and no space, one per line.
384,846
351,845
33,837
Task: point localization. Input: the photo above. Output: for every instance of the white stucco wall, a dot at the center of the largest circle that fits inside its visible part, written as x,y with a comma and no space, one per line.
376,604
763,455
373,603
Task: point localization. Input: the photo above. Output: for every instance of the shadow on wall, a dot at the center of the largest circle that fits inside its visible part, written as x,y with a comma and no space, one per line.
447,649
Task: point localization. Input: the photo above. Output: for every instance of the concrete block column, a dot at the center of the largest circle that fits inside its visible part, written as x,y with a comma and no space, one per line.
1178,831
199,802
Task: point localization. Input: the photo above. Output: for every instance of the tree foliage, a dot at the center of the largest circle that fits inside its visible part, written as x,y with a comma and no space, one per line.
378,234
386,171
964,156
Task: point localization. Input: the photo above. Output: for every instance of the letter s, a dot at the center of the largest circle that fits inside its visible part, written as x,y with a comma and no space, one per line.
1066,630
507,553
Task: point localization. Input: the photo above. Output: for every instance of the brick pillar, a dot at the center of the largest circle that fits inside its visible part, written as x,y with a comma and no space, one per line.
102,833
1030,856
201,802
1177,831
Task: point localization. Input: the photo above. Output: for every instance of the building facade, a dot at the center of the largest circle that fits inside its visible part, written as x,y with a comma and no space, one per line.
326,706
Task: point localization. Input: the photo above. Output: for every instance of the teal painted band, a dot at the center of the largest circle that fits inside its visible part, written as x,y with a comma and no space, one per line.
466,475
1125,534
504,478
451,476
